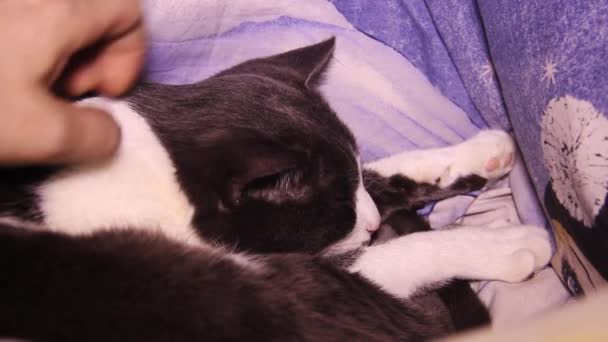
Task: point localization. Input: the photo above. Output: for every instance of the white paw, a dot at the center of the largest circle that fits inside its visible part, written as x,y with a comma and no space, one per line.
513,253
489,154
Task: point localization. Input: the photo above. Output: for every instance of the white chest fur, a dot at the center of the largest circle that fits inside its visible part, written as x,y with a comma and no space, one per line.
136,188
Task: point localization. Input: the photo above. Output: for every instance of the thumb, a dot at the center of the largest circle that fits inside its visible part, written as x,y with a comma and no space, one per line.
53,131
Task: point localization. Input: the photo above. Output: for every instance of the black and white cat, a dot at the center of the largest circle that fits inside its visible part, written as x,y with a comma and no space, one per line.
237,208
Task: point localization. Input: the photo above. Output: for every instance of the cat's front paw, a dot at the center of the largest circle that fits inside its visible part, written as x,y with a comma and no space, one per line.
517,252
489,154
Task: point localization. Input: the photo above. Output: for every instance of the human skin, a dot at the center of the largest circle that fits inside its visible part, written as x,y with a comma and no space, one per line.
67,47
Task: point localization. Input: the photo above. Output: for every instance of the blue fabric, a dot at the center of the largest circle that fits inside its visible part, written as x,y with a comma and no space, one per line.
460,26
551,59
416,74
446,40
389,103
537,68
408,27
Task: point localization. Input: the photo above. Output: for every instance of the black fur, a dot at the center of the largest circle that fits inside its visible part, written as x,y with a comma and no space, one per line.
399,192
269,168
132,286
18,191
280,157
255,143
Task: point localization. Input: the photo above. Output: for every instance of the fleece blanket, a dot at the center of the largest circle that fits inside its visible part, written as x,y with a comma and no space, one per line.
392,81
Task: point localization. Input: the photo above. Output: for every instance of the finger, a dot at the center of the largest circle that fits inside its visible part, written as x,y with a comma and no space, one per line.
92,20
72,26
110,70
53,131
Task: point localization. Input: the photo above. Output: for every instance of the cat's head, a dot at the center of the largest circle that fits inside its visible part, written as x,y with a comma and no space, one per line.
267,164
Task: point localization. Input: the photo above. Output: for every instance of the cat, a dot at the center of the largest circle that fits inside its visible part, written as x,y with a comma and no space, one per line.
237,208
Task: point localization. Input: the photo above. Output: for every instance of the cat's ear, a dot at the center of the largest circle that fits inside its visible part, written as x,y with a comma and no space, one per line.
304,65
270,175
308,62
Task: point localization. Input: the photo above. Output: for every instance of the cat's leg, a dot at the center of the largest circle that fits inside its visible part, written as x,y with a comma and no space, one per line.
136,286
405,265
412,179
489,154
397,192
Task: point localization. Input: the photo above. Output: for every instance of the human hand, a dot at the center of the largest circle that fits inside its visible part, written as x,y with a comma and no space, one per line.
77,46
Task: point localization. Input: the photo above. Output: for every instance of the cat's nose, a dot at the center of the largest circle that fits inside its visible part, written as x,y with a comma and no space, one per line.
367,212
373,227
374,222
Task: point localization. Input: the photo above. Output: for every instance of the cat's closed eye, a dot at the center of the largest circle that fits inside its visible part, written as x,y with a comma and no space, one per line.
287,182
